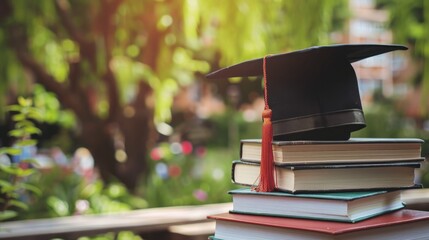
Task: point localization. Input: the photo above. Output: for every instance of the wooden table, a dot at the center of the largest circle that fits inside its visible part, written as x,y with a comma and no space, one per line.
139,221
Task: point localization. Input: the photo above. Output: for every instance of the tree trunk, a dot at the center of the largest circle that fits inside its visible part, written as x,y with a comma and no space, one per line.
139,136
99,140
133,134
96,137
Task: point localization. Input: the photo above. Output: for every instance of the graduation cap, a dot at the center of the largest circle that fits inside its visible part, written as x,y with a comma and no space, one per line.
310,94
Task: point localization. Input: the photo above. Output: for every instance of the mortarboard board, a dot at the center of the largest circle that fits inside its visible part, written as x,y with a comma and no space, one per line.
310,94
313,93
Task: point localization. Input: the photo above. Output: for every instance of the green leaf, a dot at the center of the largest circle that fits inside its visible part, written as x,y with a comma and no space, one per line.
9,191
32,130
31,188
14,108
18,204
11,150
24,172
3,151
60,207
18,117
128,235
35,114
27,142
7,188
24,123
17,133
24,102
7,214
9,169
13,194
5,184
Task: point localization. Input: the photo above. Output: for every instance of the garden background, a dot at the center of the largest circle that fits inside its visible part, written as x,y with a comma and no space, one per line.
104,106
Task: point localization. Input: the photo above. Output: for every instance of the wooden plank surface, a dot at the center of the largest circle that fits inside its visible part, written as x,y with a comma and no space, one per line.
138,221
417,199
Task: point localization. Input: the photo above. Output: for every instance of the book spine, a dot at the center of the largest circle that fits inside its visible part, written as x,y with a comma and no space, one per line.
234,163
241,149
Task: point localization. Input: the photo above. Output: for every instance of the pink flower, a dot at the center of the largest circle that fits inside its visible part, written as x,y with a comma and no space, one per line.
200,151
156,154
174,170
186,147
200,195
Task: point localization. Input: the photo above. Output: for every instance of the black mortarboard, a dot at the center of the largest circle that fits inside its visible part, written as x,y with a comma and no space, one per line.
313,93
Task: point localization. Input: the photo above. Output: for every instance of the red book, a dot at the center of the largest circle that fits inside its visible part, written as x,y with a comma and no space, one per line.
399,225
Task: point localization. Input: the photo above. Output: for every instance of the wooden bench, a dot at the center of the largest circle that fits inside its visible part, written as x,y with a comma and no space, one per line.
417,199
153,223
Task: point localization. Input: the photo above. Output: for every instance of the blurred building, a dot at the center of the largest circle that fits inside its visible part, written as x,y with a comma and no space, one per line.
381,73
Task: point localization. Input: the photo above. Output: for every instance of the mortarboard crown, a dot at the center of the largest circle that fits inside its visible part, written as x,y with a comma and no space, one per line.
313,93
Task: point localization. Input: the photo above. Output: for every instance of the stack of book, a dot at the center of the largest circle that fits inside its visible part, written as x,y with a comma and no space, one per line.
326,190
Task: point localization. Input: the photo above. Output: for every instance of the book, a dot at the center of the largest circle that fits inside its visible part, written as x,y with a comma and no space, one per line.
331,206
398,225
325,178
359,150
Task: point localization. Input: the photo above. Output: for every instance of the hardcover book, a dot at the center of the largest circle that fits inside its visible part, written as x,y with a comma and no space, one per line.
359,150
336,206
325,178
398,225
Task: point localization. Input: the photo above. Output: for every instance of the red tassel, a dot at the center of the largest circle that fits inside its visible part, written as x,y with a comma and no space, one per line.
266,180
267,175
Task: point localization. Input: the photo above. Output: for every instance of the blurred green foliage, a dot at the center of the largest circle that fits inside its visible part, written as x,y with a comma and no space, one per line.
50,109
124,235
383,120
188,179
13,184
182,173
66,193
117,65
230,127
193,37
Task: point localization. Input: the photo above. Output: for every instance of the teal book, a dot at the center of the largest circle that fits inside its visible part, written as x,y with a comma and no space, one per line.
328,206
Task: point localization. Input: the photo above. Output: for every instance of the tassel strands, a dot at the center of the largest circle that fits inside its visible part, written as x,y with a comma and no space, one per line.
267,174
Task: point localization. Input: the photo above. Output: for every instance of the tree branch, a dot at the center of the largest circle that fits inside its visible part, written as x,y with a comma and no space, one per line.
49,82
107,27
88,50
113,95
85,48
61,7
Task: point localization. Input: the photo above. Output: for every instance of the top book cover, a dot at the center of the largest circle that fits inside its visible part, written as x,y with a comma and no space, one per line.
354,150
